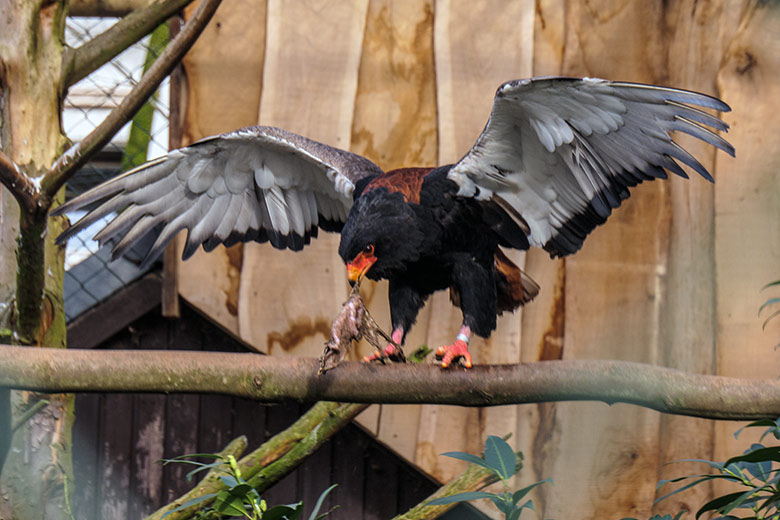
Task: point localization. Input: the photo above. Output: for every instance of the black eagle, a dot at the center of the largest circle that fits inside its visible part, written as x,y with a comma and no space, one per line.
555,158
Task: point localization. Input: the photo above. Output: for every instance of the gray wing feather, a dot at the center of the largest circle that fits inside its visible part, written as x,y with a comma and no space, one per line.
563,152
258,183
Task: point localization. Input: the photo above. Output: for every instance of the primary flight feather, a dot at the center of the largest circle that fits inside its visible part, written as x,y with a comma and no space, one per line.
557,155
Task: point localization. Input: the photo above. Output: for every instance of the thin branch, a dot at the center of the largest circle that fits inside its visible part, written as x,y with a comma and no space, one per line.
270,379
105,7
82,61
78,154
19,184
473,479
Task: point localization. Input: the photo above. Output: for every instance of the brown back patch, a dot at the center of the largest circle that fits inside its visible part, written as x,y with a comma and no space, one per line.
406,181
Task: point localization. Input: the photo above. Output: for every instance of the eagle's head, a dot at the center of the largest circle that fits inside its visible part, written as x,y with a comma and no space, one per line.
380,237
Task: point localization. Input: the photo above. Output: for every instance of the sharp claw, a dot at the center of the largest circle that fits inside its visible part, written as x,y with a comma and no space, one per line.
449,353
390,351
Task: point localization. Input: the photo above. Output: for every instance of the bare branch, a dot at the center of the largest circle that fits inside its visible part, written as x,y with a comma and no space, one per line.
473,478
19,184
105,7
80,62
78,154
271,379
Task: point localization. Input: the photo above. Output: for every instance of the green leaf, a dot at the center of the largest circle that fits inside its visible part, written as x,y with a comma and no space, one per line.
514,515
190,503
772,284
229,480
419,355
764,454
761,423
468,457
502,504
459,497
771,316
520,493
500,456
318,505
286,512
228,504
694,483
241,490
767,303
725,503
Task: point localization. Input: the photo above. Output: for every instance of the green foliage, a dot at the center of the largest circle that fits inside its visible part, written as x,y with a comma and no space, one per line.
504,462
769,303
419,355
239,500
754,471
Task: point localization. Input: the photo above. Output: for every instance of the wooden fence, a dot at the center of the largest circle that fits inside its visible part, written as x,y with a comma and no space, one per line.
673,278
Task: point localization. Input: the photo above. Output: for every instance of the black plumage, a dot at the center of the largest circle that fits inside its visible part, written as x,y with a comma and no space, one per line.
556,157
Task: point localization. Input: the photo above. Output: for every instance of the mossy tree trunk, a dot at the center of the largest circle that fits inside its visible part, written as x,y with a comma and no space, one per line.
37,466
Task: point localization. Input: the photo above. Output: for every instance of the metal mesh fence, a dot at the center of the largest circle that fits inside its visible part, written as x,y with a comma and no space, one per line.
90,275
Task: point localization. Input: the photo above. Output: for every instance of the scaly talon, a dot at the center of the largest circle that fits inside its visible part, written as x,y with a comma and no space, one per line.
449,353
390,352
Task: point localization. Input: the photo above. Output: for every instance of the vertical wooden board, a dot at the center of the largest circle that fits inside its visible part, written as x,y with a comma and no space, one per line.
277,419
688,334
249,420
224,75
315,476
148,428
148,447
286,300
395,126
381,483
115,455
747,207
470,64
612,287
537,433
214,427
181,417
85,455
349,447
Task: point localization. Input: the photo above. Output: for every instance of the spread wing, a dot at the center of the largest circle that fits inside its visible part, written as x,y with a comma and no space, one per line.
558,154
258,183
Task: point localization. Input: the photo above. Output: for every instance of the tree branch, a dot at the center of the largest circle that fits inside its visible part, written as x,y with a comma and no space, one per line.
473,478
80,62
78,154
275,458
19,184
105,7
271,379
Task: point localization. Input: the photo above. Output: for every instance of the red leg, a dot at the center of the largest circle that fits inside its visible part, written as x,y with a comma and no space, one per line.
459,349
390,350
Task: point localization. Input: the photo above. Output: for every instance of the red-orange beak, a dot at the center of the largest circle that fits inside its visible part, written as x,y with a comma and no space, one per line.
358,267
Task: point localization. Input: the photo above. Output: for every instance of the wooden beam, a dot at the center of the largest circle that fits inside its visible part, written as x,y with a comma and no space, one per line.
104,320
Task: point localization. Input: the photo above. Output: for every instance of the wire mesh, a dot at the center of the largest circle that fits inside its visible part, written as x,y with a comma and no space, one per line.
90,274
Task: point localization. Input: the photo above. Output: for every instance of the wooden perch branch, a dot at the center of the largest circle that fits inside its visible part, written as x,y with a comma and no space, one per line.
20,186
84,60
270,379
78,154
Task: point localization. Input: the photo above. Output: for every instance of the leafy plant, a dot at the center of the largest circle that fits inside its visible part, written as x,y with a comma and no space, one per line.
754,471
769,303
501,460
239,500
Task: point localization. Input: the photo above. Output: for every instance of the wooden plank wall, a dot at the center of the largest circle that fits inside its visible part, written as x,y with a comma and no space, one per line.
673,278
120,439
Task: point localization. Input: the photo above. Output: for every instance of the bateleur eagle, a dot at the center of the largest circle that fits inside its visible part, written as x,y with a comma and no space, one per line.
555,158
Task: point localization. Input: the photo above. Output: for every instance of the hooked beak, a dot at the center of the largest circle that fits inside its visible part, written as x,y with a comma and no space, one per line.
358,267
